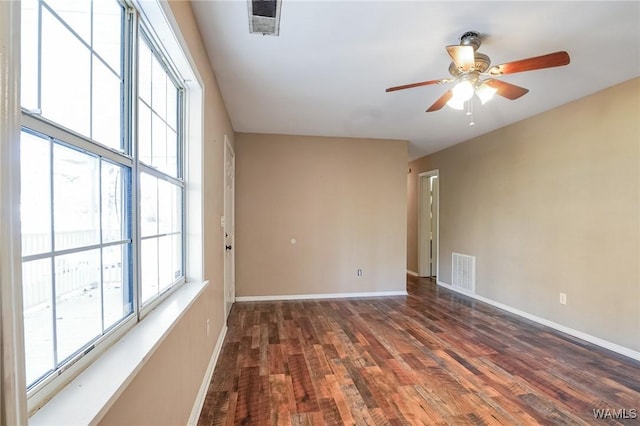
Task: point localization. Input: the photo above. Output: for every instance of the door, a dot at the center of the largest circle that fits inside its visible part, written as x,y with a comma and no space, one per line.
229,227
433,248
428,224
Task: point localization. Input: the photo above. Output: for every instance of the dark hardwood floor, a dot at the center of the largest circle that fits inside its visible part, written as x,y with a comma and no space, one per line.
433,357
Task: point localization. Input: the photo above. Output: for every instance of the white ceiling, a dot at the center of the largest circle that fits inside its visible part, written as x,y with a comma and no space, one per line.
326,73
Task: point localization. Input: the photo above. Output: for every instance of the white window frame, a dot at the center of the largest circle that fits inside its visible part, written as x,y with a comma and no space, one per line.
47,385
157,49
163,27
13,407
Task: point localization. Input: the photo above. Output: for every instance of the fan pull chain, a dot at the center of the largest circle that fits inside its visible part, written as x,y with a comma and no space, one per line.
470,112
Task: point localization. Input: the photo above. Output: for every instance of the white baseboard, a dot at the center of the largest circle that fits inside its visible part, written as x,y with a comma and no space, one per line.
319,296
559,327
413,274
204,387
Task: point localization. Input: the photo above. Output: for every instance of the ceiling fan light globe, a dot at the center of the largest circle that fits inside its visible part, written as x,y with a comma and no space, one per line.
485,93
456,103
463,90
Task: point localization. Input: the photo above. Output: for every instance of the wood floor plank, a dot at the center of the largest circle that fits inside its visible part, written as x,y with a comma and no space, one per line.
433,357
360,384
306,419
303,390
341,403
247,407
275,359
217,408
330,413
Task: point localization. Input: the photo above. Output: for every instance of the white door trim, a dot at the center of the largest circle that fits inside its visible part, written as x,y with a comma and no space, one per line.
230,270
423,264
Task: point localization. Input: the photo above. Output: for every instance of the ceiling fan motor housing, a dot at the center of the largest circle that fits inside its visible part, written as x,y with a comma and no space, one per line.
482,63
471,38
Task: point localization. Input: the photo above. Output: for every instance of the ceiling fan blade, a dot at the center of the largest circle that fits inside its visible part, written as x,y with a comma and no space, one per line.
409,86
508,90
437,105
556,59
463,56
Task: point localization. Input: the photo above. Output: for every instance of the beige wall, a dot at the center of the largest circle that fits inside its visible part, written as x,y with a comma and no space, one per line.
549,205
164,391
343,200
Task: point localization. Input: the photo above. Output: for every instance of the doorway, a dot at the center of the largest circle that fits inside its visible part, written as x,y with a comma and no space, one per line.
229,226
428,224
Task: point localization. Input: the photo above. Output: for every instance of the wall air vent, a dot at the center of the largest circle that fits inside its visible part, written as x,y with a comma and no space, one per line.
264,16
463,272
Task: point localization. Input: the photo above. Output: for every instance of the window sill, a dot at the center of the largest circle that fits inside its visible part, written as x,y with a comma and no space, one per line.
87,398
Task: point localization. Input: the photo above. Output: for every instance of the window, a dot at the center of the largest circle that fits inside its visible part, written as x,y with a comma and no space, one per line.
72,60
102,188
76,249
161,192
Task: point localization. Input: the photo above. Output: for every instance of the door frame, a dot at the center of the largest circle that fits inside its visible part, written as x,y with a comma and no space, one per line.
229,292
423,263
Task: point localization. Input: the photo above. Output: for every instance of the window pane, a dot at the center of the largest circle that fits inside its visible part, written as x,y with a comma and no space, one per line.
144,71
29,55
170,259
169,207
107,24
107,106
35,197
172,153
159,88
148,205
76,13
172,105
177,256
37,299
163,96
78,301
116,284
149,256
66,71
159,141
165,254
75,198
114,203
165,217
144,133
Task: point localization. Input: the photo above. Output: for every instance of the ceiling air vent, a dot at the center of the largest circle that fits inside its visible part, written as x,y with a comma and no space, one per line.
264,17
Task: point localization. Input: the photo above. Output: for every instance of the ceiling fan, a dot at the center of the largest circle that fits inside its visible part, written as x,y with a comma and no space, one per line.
469,66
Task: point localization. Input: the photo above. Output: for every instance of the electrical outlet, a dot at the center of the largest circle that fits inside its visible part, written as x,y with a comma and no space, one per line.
563,298
208,327
359,272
